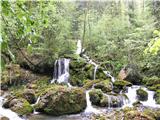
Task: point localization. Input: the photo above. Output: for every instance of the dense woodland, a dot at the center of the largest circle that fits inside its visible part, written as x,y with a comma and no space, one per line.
114,33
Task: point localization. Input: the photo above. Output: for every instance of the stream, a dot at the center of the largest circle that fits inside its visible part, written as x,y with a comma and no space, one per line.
61,75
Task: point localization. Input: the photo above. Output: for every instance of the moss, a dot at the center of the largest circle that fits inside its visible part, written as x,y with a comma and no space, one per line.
151,113
154,87
136,115
89,83
104,85
142,94
22,107
95,96
59,100
151,81
119,85
157,96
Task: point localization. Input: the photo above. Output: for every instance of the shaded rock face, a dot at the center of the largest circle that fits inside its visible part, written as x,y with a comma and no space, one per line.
142,94
131,74
61,100
29,95
121,85
18,105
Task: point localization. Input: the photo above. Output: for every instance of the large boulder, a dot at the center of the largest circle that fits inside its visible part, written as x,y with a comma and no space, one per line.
60,100
119,85
142,94
105,86
19,105
131,73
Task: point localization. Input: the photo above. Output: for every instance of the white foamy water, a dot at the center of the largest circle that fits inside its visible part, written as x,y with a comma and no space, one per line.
90,108
132,96
79,47
7,112
61,71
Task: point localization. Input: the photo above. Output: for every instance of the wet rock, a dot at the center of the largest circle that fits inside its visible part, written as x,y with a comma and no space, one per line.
4,118
131,73
119,85
105,86
29,95
142,94
60,100
1,92
137,103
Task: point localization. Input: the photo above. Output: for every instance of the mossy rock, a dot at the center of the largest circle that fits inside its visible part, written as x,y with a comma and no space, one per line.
136,115
119,85
154,113
89,83
96,96
142,94
157,96
105,86
20,106
154,87
151,81
137,103
59,100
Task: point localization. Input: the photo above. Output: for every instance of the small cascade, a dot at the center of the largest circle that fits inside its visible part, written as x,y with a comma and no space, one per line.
7,112
90,108
115,101
132,96
61,71
95,70
109,75
79,47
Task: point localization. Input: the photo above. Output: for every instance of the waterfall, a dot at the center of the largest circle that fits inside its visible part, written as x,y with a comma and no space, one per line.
61,71
109,75
79,47
95,70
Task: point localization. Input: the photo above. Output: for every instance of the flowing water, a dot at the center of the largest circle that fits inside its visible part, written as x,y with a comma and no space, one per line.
90,108
61,71
132,97
79,47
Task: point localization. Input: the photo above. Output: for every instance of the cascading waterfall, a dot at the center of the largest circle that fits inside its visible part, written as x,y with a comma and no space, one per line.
61,71
132,97
90,108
